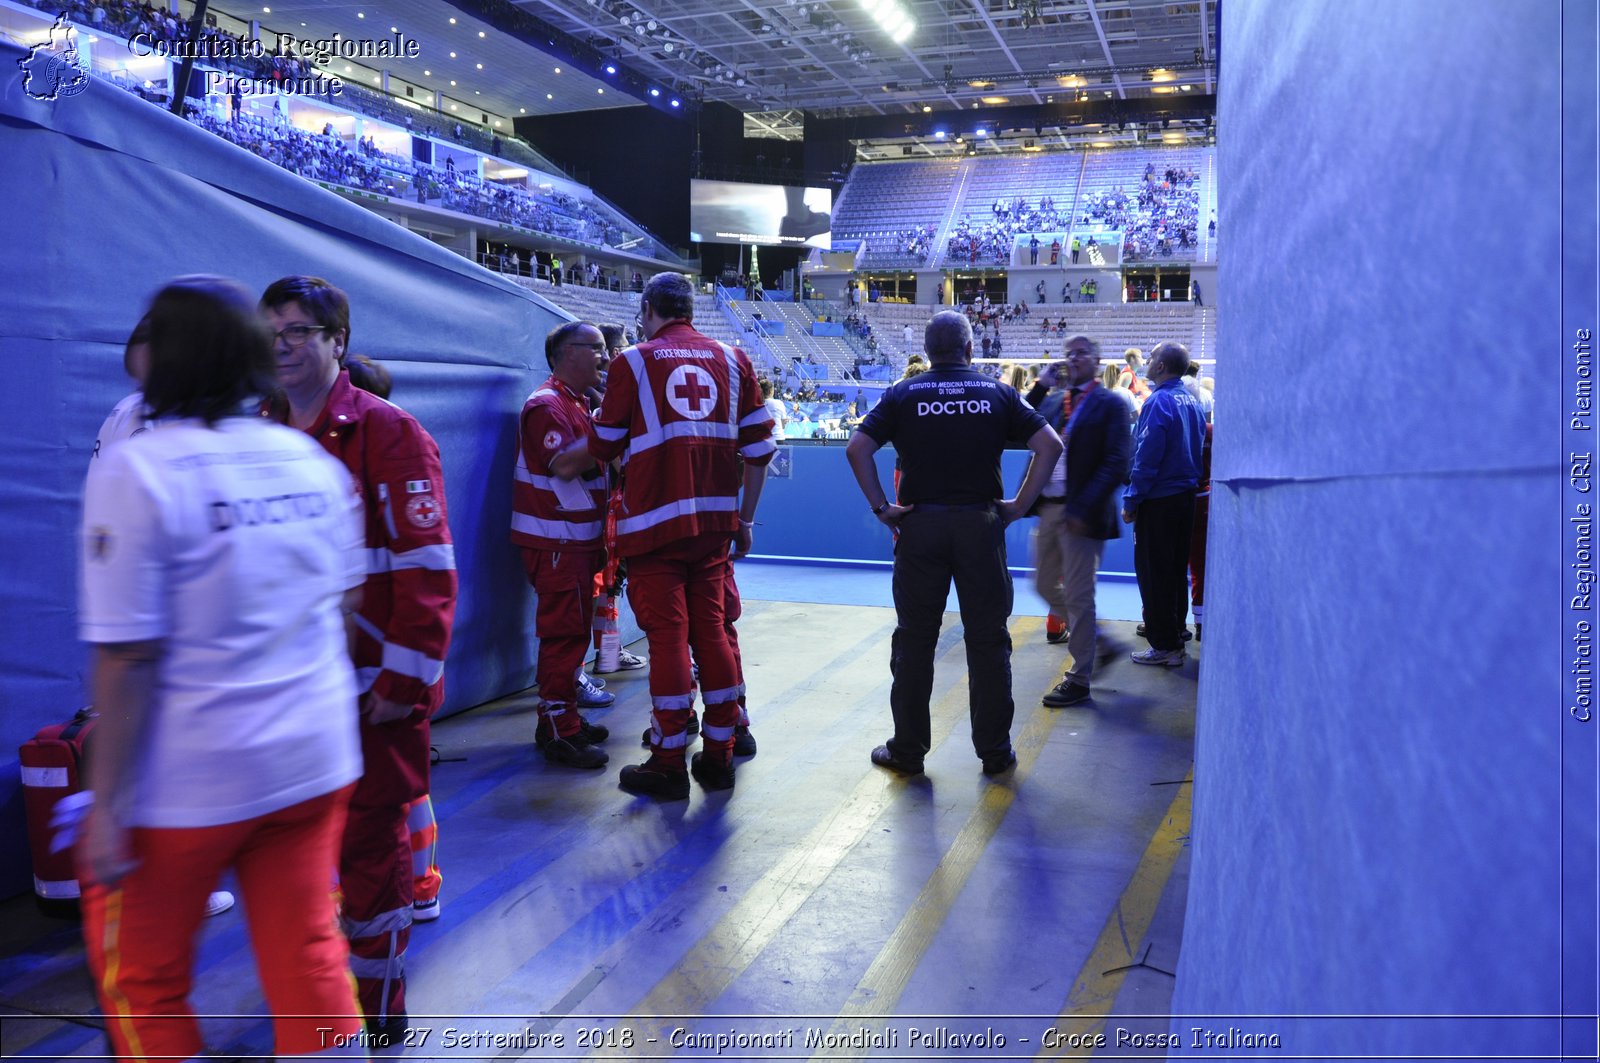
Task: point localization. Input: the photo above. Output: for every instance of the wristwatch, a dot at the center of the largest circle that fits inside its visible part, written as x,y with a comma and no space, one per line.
878,511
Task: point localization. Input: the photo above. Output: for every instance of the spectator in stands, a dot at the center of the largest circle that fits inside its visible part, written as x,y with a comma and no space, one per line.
1039,290
1194,286
1159,502
1033,250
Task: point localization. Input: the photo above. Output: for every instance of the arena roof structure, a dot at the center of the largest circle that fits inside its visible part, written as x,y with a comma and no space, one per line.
775,59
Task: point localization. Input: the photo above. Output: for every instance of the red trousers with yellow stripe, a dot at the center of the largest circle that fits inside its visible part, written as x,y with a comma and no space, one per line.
141,933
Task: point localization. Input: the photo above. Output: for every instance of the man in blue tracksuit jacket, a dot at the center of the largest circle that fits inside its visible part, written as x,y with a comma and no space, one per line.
1159,502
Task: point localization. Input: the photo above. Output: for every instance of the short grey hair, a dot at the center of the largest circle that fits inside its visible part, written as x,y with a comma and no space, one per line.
1094,344
671,296
947,336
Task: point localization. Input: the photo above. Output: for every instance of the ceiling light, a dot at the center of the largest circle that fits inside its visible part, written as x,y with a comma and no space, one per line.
655,92
651,25
266,11
675,103
452,55
601,91
394,29
427,73
452,21
475,92
667,47
452,84
480,66
610,69
453,107
361,14
347,70
480,33
522,110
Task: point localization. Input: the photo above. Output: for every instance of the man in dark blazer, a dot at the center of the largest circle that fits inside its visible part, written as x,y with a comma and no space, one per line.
1077,512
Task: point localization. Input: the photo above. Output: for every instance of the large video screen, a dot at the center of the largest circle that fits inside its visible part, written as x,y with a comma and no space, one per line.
727,212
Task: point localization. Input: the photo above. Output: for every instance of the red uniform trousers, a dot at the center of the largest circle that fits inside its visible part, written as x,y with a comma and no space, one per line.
1197,557
563,580
426,878
679,595
733,609
141,933
375,880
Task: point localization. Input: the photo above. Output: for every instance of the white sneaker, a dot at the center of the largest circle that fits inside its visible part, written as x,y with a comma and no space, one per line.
627,662
425,911
1161,658
219,902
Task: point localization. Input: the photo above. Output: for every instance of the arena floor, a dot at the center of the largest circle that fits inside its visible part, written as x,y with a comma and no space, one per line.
823,898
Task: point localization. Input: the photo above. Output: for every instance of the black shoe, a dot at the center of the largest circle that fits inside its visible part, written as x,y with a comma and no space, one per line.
1187,634
593,733
1066,693
711,776
574,752
388,1033
744,743
691,728
999,765
650,780
883,757
1197,632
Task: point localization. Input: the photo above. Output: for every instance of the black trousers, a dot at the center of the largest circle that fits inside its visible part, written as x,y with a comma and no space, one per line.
933,549
1161,531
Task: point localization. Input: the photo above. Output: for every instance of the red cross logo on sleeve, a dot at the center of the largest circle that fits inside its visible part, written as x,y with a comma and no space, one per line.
692,392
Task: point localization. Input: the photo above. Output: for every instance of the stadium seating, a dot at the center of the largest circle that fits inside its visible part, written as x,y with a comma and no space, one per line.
889,206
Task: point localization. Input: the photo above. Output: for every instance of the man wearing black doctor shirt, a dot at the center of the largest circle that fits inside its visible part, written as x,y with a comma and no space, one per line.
950,426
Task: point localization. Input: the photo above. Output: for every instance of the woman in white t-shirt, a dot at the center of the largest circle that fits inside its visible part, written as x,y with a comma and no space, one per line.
218,554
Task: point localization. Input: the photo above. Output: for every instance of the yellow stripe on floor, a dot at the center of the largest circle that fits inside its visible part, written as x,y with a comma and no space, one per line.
1094,990
730,946
886,979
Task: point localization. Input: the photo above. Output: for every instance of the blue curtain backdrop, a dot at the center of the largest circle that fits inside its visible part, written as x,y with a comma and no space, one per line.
1377,776
106,197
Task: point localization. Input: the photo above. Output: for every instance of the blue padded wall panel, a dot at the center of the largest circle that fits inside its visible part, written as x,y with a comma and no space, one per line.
1393,224
1377,802
107,197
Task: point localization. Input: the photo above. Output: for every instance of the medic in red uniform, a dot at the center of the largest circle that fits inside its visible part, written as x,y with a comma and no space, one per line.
558,514
400,633
680,409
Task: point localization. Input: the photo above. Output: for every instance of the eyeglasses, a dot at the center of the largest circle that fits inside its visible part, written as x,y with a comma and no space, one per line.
595,347
296,335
